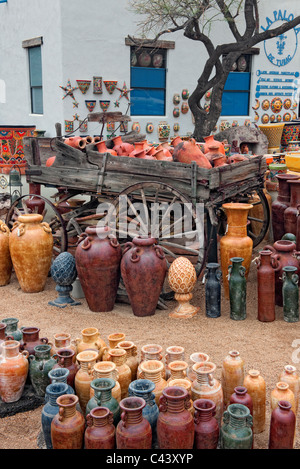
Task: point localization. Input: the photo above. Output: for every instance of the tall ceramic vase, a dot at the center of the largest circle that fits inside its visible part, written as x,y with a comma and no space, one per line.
265,286
30,245
233,370
133,431
13,371
98,256
289,375
102,397
5,259
100,431
213,290
236,431
290,213
51,408
280,204
256,388
68,426
236,242
144,388
107,369
290,294
282,427
206,425
143,269
91,339
237,289
84,376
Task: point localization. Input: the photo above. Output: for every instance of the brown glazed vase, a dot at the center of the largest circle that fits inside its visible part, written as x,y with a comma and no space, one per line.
90,339
290,213
196,357
133,431
98,257
282,392
13,371
233,369
143,269
100,431
241,396
30,339
65,358
119,357
113,340
188,151
153,371
84,376
266,286
35,204
151,352
206,425
280,204
68,426
256,388
289,375
236,242
185,384
63,340
30,245
282,426
173,353
131,356
175,424
284,252
5,259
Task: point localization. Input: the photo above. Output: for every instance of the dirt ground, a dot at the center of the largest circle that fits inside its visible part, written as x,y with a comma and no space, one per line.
267,347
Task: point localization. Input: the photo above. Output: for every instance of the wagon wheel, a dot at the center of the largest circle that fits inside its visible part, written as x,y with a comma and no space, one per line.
159,210
259,216
51,216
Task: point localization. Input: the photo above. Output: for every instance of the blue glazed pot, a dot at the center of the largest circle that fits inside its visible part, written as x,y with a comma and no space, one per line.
50,409
144,388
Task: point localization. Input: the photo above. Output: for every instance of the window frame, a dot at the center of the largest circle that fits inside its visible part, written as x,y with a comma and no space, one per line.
31,44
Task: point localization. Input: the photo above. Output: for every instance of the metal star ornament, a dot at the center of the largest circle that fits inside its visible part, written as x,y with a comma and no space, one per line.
124,91
69,91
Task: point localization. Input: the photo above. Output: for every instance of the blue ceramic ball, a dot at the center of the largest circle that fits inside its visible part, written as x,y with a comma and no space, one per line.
63,269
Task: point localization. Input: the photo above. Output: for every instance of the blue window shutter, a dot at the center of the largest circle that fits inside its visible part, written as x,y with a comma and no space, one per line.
35,77
235,103
148,77
147,102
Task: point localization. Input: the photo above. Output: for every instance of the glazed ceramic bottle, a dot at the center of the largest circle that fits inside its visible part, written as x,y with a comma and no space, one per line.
13,371
233,373
185,384
12,329
30,245
236,431
282,392
206,425
113,340
175,424
84,376
282,426
5,258
280,204
133,431
290,213
100,431
143,270
40,363
31,338
196,357
236,242
265,286
107,369
290,376
241,396
102,397
144,388
237,289
151,352
173,353
256,388
207,387
68,426
152,370
119,357
290,294
60,375
98,256
213,290
50,409
131,356
65,359
63,340
90,339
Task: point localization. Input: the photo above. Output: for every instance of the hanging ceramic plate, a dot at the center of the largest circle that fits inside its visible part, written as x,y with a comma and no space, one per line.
287,103
149,127
256,117
265,118
144,59
176,127
276,104
176,112
208,95
157,60
265,104
294,105
287,117
294,116
176,98
279,118
185,94
256,105
272,118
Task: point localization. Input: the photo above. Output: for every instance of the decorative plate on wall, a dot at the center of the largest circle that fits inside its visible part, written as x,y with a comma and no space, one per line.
265,104
272,118
256,117
144,59
184,108
265,118
176,98
279,118
276,104
176,112
287,117
149,127
136,127
287,103
176,127
157,60
256,105
185,94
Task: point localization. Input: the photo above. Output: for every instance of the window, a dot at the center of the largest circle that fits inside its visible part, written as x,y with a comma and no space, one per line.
35,79
235,99
148,81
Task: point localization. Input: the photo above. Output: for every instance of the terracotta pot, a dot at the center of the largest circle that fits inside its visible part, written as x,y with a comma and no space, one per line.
162,155
143,269
241,396
33,203
119,357
102,148
291,212
233,370
175,141
282,392
256,388
120,147
5,259
236,242
113,340
206,425
76,142
290,376
84,376
177,369
210,141
63,340
151,352
280,204
107,369
152,370
133,431
100,431
13,371
131,356
65,357
173,353
187,151
68,426
236,158
218,161
90,339
30,245
285,254
282,427
206,386
185,384
98,258
212,151
265,286
196,357
175,424
30,339
50,409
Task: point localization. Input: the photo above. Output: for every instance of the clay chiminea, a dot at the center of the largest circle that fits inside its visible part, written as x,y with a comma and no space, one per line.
187,151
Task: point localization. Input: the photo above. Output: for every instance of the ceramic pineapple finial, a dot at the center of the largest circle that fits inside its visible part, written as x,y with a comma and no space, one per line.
182,279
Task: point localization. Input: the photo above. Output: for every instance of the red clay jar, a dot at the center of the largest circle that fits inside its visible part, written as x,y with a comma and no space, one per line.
240,396
175,424
265,286
33,203
206,425
67,427
102,148
282,427
188,151
120,147
280,204
175,141
76,142
100,431
290,213
210,141
30,339
98,256
66,360
133,431
13,371
143,270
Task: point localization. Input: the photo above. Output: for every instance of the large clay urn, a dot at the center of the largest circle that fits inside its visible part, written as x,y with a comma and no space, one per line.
35,204
265,286
119,357
13,371
5,259
282,427
68,425
84,376
113,340
188,151
280,204
90,339
133,431
98,257
210,141
290,213
143,269
100,430
30,245
31,338
153,370
102,148
236,242
285,254
206,425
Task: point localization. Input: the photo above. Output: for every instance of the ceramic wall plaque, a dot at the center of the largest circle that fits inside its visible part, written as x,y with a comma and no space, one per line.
110,85
136,127
90,104
69,126
83,126
185,94
163,130
176,112
97,85
104,104
276,104
149,127
83,85
176,99
184,108
176,127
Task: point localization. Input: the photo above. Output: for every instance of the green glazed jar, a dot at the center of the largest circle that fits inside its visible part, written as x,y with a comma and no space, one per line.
103,398
237,289
12,329
236,431
39,366
290,294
